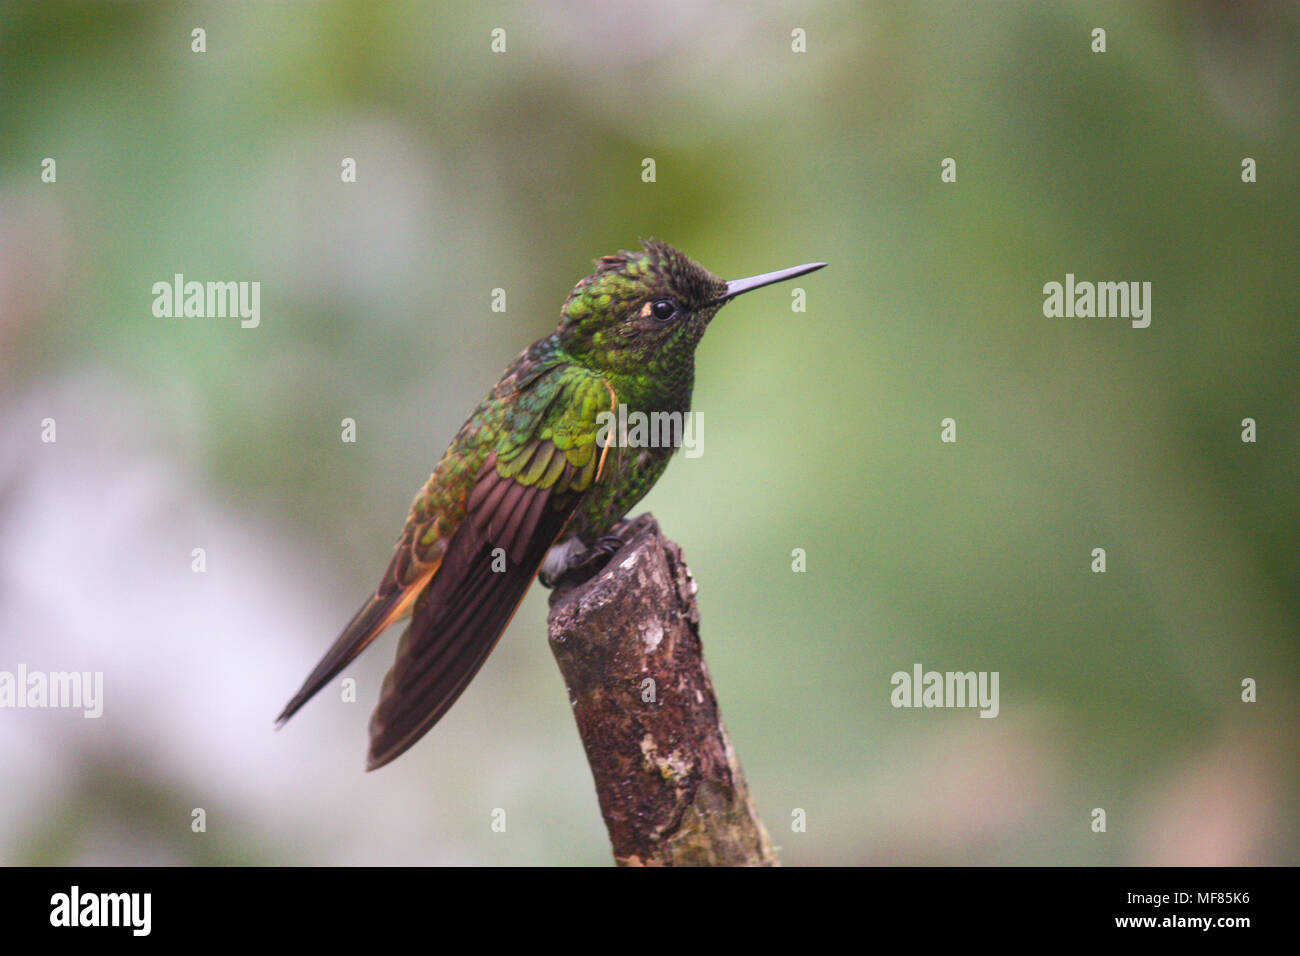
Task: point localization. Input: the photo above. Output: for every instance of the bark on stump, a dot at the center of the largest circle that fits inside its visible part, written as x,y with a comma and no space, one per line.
628,645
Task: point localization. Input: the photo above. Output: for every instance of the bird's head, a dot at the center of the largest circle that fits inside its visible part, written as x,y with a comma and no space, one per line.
644,312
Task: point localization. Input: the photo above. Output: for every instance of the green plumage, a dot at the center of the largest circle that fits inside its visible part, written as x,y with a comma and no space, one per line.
526,472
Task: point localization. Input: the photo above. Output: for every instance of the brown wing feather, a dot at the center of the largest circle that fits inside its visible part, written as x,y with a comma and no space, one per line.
461,614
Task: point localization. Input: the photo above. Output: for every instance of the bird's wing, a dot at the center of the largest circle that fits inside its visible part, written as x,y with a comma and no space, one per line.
517,408
523,495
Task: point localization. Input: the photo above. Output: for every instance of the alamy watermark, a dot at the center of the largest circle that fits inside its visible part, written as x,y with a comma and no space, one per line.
946,689
179,299
1102,300
634,429
131,911
72,690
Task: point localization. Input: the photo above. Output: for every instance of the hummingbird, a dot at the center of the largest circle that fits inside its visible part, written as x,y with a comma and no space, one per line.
532,482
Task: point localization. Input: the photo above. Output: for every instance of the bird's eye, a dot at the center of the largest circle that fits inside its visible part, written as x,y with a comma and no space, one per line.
663,309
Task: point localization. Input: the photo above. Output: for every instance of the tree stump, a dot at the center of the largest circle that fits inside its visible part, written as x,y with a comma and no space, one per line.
628,645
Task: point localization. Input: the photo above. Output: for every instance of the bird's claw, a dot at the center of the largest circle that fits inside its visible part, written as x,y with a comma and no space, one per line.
587,565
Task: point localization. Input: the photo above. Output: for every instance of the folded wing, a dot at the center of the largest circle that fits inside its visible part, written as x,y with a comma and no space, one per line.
523,496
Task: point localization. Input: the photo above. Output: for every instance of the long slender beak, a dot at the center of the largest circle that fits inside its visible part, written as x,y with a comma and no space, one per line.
736,286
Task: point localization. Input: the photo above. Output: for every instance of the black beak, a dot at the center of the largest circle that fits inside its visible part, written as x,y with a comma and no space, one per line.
736,286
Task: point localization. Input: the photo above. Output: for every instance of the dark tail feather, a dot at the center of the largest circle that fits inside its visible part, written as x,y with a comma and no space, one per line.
365,626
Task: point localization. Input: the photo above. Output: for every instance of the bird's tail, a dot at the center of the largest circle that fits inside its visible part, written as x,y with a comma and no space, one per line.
367,624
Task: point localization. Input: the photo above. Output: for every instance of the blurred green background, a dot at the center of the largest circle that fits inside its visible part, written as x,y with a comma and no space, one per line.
478,171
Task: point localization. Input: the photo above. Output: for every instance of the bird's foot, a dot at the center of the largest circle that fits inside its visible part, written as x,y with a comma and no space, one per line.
584,565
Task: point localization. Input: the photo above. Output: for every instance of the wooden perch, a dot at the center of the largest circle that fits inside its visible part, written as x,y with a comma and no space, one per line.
628,644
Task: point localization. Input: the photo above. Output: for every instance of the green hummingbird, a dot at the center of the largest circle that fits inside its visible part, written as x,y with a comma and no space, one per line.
532,482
